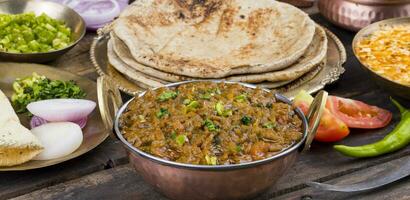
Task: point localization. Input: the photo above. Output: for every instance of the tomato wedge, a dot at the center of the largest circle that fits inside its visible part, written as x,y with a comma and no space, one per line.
331,129
357,114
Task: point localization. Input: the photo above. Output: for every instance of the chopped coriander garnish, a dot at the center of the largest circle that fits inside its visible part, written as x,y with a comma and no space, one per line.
246,120
162,112
37,87
167,95
180,139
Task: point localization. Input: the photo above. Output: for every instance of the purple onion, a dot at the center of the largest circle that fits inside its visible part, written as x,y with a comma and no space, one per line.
96,13
38,121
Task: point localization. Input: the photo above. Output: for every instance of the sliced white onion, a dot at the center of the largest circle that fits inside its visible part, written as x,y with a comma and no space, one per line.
95,12
58,138
62,110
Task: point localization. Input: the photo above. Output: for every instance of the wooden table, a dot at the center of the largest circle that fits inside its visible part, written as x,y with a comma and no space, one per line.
104,173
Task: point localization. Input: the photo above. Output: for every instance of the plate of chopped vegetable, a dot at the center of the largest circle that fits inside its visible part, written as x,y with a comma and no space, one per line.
56,109
37,31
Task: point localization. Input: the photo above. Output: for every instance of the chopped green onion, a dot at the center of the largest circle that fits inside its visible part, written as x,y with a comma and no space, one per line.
181,139
162,112
211,160
246,120
165,96
36,88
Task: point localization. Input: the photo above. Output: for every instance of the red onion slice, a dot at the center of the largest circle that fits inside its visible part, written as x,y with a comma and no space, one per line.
95,12
38,121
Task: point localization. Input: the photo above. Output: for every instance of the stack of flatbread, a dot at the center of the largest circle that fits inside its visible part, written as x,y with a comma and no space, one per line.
17,143
264,42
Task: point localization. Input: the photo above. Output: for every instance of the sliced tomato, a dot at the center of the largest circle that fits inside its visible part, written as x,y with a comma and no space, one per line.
357,114
331,129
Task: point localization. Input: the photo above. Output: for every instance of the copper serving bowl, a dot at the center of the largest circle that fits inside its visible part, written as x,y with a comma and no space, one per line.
54,10
356,14
390,85
188,181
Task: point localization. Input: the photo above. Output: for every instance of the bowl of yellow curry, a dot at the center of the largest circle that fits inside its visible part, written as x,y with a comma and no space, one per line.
383,49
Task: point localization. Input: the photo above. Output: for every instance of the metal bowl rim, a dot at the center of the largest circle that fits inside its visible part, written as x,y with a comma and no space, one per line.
282,153
83,31
361,34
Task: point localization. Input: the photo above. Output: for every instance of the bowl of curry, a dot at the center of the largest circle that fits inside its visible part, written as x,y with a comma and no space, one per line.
211,139
383,50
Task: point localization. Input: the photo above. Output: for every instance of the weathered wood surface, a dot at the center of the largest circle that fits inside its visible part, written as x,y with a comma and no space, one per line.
322,163
397,191
109,154
117,183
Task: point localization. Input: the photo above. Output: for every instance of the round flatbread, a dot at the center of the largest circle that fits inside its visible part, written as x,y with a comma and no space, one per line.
209,39
131,74
312,57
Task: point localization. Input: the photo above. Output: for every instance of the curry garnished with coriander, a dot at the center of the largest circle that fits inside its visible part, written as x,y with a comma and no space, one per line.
210,124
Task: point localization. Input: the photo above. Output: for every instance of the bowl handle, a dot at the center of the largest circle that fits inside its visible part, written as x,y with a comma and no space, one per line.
313,117
107,91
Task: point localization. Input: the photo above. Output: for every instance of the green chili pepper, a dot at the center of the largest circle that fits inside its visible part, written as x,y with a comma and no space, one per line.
394,141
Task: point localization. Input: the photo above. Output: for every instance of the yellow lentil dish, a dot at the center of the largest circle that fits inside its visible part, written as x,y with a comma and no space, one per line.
387,52
209,123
